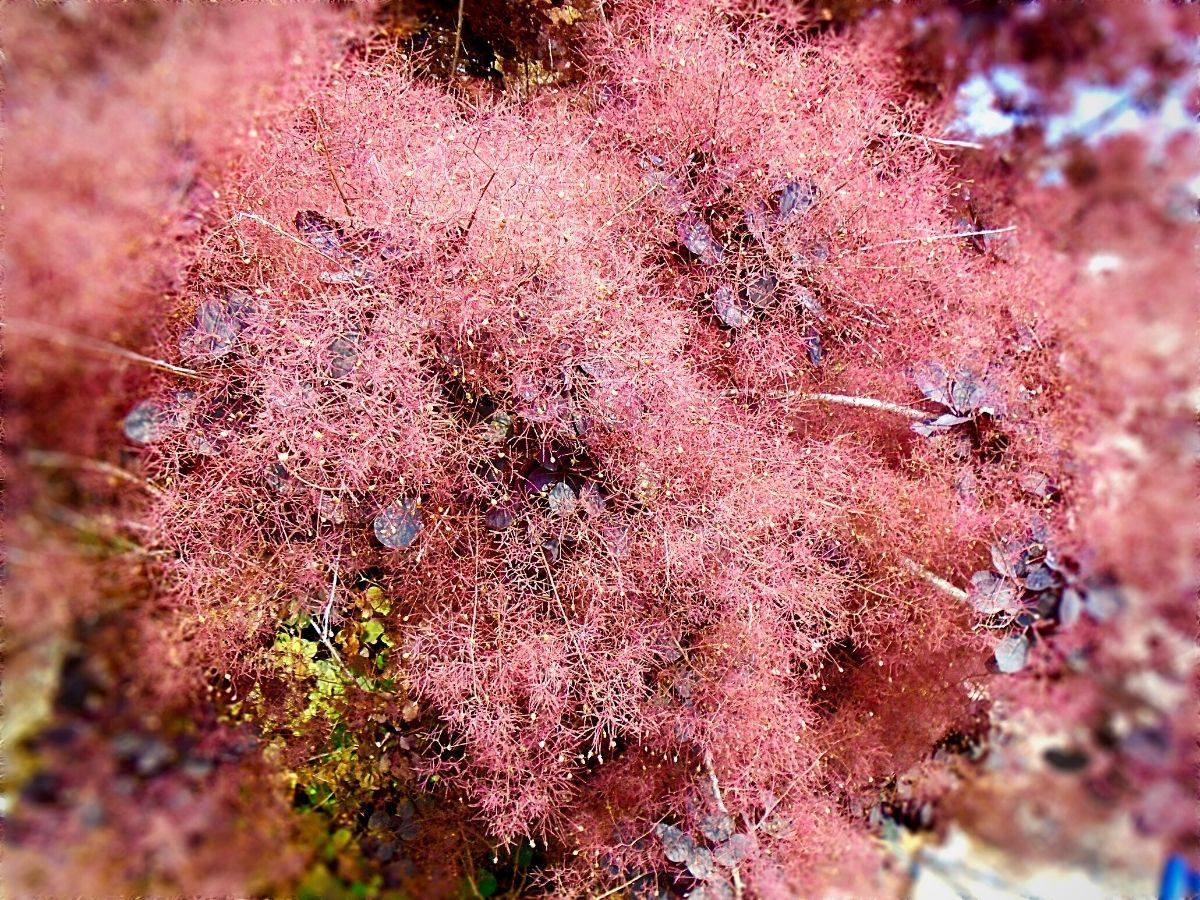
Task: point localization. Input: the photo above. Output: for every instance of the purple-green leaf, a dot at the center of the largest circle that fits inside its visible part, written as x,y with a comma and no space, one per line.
730,308
991,594
716,827
1012,653
796,197
733,850
695,234
399,524
677,846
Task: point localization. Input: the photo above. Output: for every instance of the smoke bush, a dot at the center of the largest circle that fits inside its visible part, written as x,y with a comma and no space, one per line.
612,392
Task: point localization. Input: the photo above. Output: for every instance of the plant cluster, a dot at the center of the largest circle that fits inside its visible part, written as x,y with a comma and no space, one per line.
555,381
669,469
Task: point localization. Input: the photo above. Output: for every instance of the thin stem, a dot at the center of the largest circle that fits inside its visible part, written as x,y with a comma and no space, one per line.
49,459
716,789
938,582
457,41
860,402
323,147
279,231
936,237
770,808
946,142
630,205
618,888
475,211
67,339
323,628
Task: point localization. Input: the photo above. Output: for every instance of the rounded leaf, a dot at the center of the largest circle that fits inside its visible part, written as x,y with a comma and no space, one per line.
777,827
146,422
990,594
561,499
499,425
940,425
1104,602
718,889
733,850
500,517
677,846
343,354
700,863
716,827
796,197
810,304
934,384
330,508
617,539
694,233
1070,607
214,333
812,345
151,420
322,233
278,478
591,499
1012,653
730,309
398,525
201,443
1040,577
756,219
541,480
760,289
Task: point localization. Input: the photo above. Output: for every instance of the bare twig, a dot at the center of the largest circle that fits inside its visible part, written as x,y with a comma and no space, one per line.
929,578
279,231
946,142
787,790
628,206
618,888
860,402
457,41
323,628
935,237
323,147
67,339
716,789
475,211
49,459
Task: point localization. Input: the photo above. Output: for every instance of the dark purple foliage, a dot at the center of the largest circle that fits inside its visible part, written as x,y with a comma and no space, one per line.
694,233
398,525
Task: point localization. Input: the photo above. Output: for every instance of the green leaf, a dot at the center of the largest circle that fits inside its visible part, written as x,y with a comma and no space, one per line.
486,884
524,855
372,631
378,601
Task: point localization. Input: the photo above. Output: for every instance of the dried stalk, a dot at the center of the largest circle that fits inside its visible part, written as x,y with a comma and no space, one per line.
716,789
67,339
49,459
935,580
945,142
937,237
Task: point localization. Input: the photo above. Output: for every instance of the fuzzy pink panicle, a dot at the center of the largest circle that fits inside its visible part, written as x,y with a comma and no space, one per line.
580,351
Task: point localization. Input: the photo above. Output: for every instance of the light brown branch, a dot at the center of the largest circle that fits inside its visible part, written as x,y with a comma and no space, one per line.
935,237
67,339
935,580
946,142
860,402
716,789
49,459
